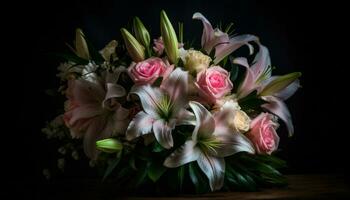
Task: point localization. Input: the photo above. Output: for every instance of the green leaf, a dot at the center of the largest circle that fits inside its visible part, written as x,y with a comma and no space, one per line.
132,163
197,179
252,101
181,176
272,160
224,61
233,72
155,171
212,54
263,172
111,167
141,175
240,179
158,82
124,172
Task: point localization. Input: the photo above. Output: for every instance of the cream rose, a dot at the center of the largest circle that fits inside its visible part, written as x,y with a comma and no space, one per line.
196,61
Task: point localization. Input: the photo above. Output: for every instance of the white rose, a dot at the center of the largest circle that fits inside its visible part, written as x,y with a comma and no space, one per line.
237,120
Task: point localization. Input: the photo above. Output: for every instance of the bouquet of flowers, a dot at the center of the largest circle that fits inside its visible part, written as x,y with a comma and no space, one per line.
172,116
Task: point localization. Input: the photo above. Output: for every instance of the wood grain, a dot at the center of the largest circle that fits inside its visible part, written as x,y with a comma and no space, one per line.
300,187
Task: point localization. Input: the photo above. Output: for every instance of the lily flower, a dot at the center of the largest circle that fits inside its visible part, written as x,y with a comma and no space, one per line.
163,109
223,44
211,141
273,89
93,111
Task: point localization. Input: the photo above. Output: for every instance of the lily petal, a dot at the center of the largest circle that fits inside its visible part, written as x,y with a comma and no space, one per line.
83,112
208,31
188,152
289,90
149,98
223,50
205,123
279,108
85,92
113,77
214,169
232,143
162,132
261,62
176,85
113,91
185,117
140,125
92,135
248,84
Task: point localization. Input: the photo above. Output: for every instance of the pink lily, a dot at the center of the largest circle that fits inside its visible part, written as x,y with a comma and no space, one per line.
163,109
211,141
220,41
258,77
93,111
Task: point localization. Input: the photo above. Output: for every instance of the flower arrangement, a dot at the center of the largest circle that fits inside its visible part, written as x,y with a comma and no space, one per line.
169,115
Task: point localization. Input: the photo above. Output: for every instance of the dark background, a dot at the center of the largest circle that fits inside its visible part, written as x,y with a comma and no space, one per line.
300,37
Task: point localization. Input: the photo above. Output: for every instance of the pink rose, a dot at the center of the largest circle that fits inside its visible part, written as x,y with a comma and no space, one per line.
213,83
263,134
147,71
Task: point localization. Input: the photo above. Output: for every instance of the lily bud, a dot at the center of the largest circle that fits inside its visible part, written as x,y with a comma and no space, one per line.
279,84
109,145
141,32
169,38
135,49
81,47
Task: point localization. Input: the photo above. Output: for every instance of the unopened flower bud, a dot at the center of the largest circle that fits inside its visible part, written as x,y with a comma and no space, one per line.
81,46
169,38
141,32
109,145
135,49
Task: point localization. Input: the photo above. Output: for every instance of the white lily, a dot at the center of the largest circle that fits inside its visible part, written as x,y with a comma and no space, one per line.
223,44
273,89
211,141
163,109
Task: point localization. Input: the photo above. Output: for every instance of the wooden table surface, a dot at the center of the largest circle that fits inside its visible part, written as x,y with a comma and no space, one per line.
300,187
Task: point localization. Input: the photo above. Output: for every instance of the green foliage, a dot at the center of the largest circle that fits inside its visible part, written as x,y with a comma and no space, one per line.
251,102
248,172
233,72
157,147
158,82
111,166
197,178
181,176
156,170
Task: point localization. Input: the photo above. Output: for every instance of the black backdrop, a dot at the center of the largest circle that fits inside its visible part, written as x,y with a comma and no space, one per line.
300,37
